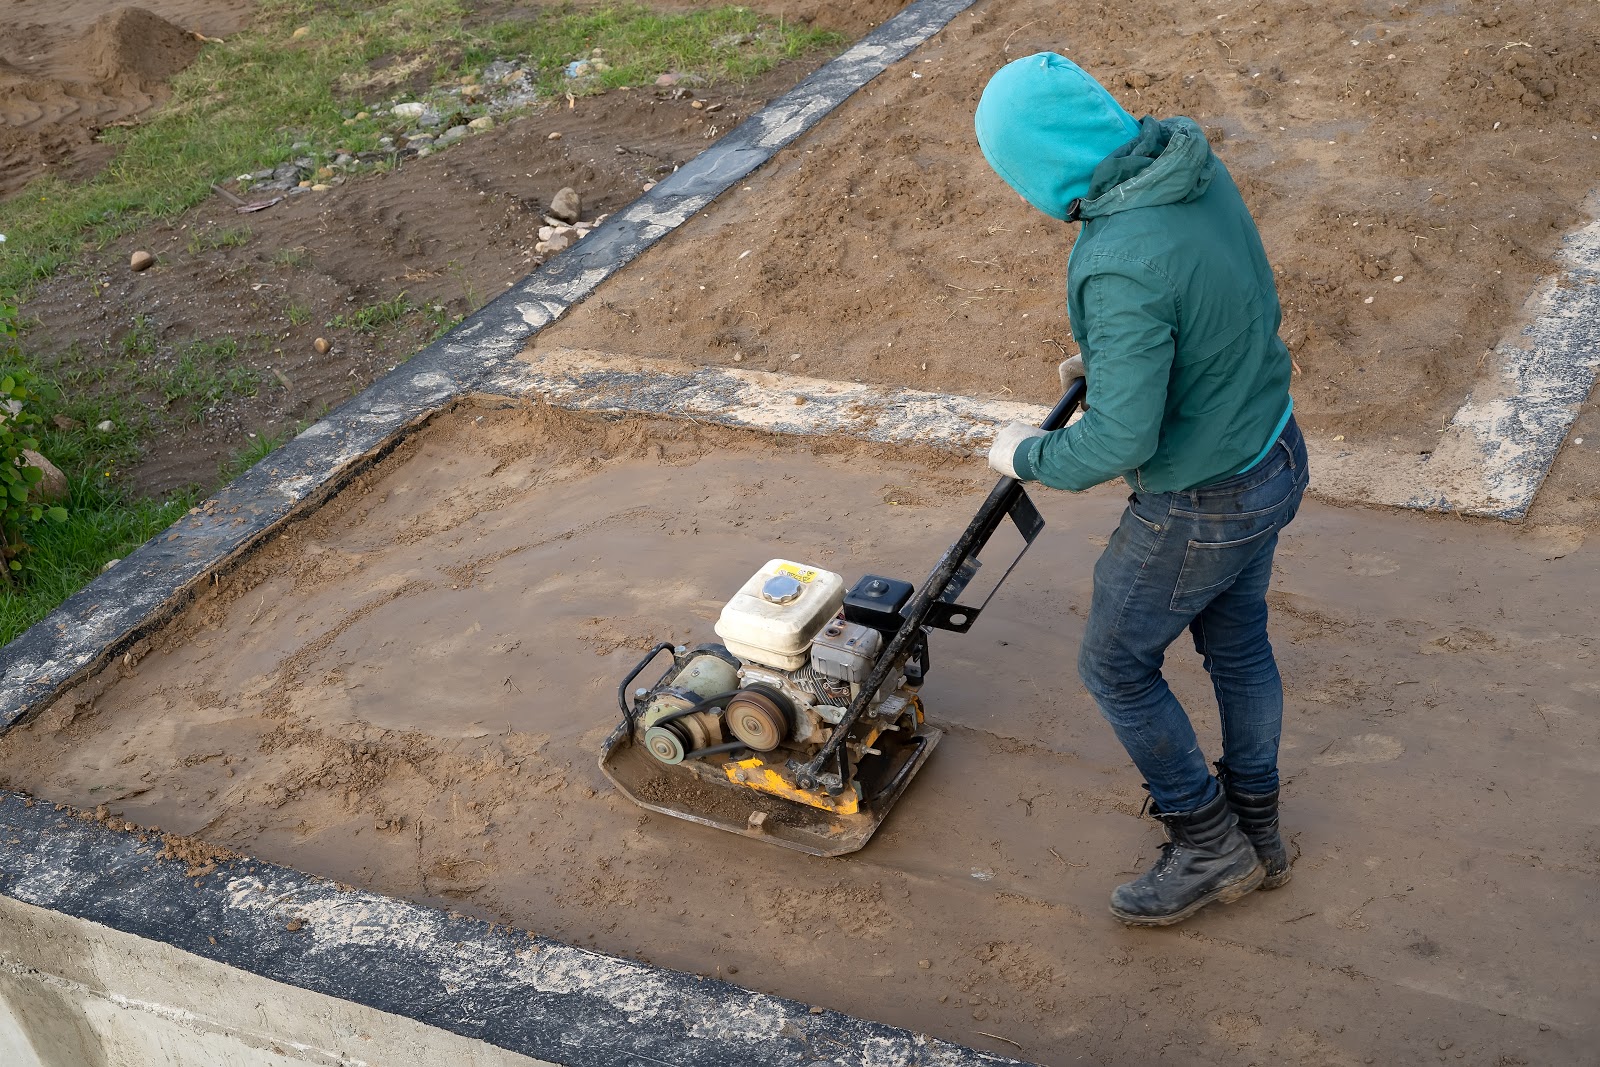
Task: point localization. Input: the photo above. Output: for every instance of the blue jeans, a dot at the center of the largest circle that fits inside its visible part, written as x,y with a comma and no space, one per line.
1199,560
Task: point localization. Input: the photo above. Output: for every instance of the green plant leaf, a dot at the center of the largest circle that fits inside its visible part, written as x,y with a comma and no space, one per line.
57,514
16,564
19,493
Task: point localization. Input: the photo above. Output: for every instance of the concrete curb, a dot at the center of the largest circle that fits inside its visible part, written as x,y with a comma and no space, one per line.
513,990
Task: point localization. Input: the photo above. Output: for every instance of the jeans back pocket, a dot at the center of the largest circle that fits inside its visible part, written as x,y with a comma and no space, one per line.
1210,567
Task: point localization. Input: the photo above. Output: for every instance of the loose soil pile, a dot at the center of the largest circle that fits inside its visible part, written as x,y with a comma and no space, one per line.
407,690
71,68
1411,165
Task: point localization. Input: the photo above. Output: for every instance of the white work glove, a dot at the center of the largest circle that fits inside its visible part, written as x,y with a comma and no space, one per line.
1071,370
1002,454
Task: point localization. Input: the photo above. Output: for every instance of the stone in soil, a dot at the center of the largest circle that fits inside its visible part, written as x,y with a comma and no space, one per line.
53,486
141,261
566,205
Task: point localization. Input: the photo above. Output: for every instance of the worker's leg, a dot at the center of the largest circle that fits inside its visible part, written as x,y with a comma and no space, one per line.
1171,557
1124,645
1231,637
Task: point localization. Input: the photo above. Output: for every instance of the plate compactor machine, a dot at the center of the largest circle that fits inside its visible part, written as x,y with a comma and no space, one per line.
805,724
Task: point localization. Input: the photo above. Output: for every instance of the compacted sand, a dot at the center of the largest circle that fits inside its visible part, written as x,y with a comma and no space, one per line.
406,691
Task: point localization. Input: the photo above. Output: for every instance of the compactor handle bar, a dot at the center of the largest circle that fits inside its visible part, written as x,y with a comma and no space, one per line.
1007,495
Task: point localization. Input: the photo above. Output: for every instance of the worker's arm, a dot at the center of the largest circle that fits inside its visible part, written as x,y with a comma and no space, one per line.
1129,316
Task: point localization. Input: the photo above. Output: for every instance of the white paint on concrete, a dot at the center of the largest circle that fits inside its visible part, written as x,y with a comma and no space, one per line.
759,400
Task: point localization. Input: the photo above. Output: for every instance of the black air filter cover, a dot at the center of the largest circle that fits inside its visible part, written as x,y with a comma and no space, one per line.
876,601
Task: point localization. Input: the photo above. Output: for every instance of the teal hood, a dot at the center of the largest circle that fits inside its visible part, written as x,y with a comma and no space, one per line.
1045,126
1166,163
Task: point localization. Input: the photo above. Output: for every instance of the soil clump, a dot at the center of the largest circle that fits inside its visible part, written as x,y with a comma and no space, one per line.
71,68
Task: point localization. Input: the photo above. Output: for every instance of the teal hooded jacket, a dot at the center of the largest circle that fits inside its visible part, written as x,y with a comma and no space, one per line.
1172,303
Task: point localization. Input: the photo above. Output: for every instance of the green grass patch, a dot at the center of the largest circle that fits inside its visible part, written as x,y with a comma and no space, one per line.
102,524
260,447
375,317
213,237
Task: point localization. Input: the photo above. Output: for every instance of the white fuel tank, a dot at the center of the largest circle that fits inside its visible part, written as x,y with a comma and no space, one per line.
773,618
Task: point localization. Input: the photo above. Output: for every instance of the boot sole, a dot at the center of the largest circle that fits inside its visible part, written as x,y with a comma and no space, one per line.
1276,880
1222,895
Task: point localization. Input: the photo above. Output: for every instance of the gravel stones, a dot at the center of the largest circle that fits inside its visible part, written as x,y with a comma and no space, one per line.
558,236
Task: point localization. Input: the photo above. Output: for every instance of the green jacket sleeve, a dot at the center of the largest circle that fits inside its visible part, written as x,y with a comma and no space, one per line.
1128,340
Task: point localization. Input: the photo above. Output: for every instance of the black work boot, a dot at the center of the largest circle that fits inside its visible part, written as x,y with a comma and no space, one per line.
1206,859
1258,819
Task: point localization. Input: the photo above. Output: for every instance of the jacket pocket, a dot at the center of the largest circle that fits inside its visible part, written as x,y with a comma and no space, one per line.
1210,567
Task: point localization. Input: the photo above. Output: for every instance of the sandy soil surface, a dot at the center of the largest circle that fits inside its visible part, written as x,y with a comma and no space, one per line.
406,691
1411,165
71,68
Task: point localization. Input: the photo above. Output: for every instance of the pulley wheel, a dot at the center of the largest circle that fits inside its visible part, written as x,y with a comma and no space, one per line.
757,720
665,744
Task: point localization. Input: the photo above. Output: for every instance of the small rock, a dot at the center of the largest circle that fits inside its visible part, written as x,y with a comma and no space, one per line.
105,427
321,345
452,135
546,232
409,110
698,105
141,261
362,115
64,423
292,925
53,486
668,80
924,964
425,151
558,243
649,186
484,123
566,205
738,358
305,185
321,187
299,33
555,135
108,564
